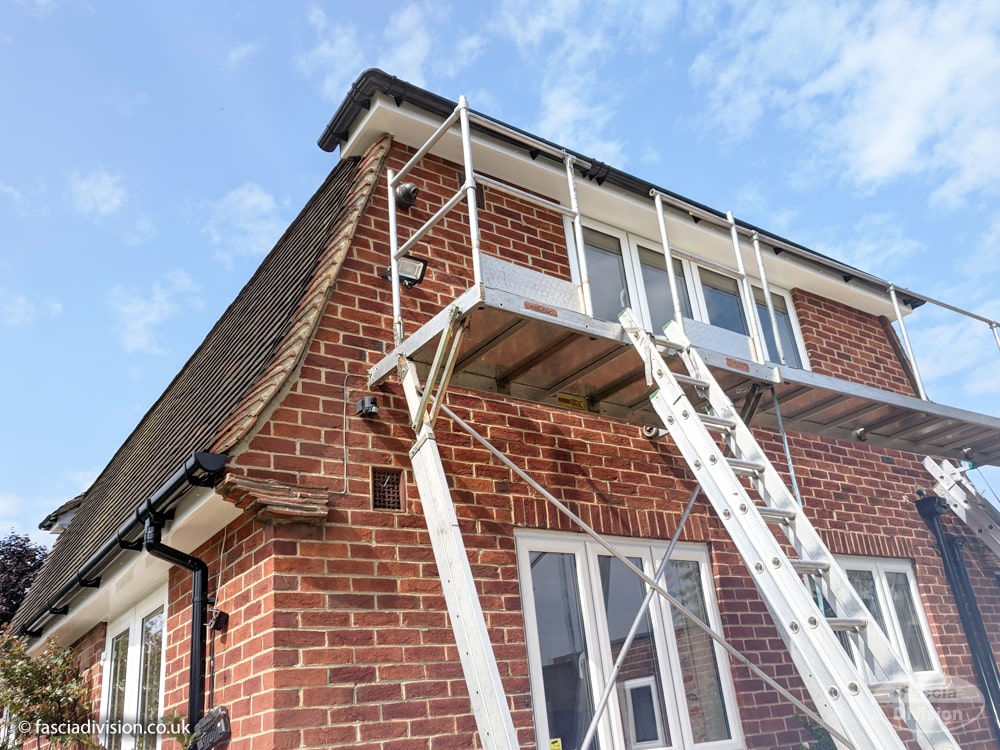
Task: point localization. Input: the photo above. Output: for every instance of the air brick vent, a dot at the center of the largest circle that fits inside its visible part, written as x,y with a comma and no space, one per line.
387,490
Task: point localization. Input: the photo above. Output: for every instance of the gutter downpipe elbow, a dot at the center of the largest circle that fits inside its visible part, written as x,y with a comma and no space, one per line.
199,613
201,469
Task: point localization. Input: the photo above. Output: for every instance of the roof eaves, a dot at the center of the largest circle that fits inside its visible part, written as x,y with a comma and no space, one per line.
374,81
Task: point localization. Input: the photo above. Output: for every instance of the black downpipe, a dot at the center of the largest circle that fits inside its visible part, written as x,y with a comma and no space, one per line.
931,508
199,611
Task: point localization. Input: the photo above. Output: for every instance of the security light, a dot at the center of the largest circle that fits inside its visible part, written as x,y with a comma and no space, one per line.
411,271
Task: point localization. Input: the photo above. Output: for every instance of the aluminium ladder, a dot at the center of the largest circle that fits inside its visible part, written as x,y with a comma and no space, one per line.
966,501
479,665
838,687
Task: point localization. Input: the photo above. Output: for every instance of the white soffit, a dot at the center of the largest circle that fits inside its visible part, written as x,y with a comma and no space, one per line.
136,574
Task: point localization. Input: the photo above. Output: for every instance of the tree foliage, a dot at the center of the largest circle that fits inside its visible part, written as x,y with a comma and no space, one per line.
20,559
40,692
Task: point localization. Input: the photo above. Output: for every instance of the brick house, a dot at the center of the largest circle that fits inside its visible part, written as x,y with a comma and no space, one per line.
388,585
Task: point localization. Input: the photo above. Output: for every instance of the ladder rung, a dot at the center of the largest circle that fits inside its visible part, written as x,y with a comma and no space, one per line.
883,688
810,567
689,380
718,423
745,467
847,623
669,348
776,515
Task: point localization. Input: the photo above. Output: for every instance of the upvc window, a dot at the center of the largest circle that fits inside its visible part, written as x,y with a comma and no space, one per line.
133,676
723,302
606,267
626,271
674,689
786,327
889,592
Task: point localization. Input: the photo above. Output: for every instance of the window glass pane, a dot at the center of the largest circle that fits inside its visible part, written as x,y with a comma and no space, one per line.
706,705
623,593
149,686
656,282
606,271
789,346
565,660
909,622
863,582
643,714
722,300
116,692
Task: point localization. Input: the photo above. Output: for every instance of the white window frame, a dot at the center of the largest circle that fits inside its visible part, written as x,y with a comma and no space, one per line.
786,297
640,682
878,567
132,620
586,553
692,267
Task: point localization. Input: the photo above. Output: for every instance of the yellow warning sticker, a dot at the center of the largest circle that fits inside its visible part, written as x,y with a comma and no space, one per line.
555,744
573,402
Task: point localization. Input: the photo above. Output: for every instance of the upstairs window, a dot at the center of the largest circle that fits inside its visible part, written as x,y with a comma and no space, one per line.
656,288
723,302
606,269
786,327
624,271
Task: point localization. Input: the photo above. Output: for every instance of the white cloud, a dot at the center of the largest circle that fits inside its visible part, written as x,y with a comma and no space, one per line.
240,54
469,48
883,90
983,381
143,230
951,336
878,243
43,6
84,478
417,39
138,313
985,259
569,45
23,205
18,309
245,221
334,59
407,45
753,205
98,194
570,116
12,196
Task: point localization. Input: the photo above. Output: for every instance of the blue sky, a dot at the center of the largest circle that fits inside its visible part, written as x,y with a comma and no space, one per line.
153,152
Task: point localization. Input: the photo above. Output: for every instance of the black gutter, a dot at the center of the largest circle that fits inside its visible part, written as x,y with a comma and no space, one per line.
950,548
199,611
374,81
200,470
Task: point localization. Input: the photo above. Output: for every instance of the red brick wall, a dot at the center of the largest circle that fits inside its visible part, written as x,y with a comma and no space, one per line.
339,636
88,651
848,344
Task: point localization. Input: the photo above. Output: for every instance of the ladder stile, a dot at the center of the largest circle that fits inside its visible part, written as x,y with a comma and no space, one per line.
836,684
966,501
479,665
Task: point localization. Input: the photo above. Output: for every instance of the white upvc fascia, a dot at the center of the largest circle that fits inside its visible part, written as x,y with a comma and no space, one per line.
201,514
